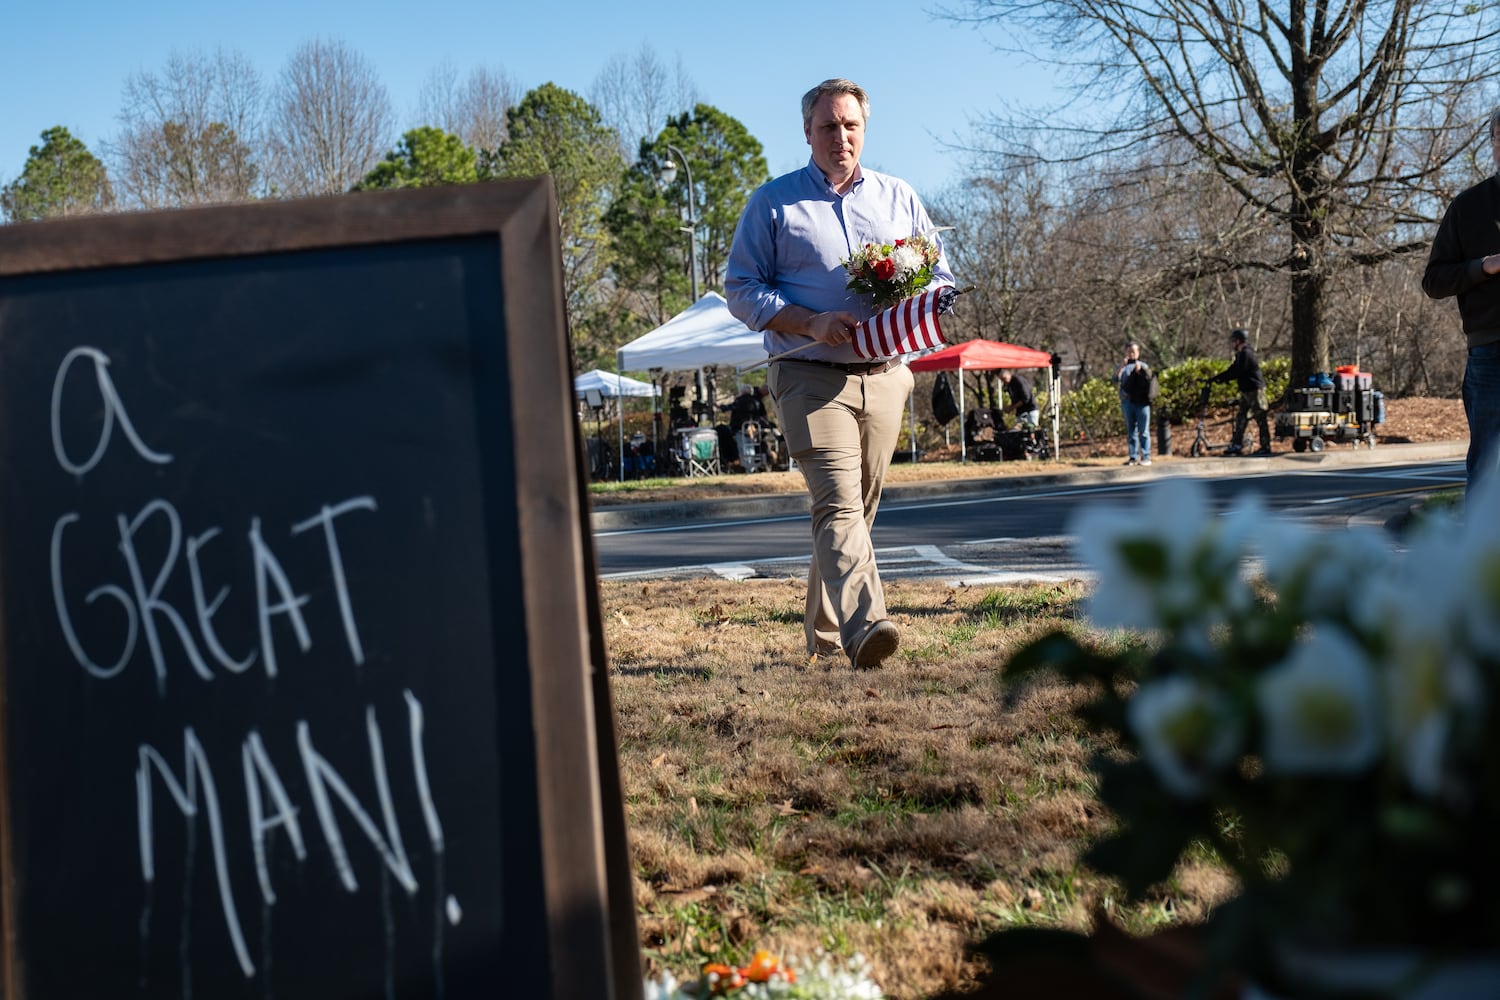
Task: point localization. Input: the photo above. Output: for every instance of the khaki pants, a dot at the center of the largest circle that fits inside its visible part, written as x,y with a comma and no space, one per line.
842,431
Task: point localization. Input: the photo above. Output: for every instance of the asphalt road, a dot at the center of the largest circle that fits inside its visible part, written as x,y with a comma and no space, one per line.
1007,530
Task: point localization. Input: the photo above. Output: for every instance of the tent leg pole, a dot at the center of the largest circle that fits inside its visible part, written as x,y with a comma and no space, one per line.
963,438
911,402
1056,407
620,415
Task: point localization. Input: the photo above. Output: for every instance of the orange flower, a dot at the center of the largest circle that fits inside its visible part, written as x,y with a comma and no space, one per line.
764,966
722,978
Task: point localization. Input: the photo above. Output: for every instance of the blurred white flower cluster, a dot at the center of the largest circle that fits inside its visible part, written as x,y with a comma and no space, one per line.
821,977
1382,648
1318,707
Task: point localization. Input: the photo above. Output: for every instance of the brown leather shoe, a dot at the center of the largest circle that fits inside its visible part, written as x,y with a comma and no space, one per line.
879,642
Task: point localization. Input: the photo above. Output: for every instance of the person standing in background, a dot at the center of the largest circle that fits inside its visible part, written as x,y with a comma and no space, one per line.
1134,380
1464,260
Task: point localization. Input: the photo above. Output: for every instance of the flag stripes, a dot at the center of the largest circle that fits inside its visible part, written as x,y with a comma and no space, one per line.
904,328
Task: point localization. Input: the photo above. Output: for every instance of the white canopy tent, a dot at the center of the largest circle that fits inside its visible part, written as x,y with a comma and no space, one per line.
597,385
608,384
704,334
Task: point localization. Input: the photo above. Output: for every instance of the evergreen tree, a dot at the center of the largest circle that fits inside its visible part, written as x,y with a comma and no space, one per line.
61,178
555,132
425,157
727,164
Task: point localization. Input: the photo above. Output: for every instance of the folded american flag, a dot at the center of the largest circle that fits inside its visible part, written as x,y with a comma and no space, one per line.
908,326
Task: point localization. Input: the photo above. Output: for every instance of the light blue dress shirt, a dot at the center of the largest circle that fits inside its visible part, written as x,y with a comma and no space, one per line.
793,238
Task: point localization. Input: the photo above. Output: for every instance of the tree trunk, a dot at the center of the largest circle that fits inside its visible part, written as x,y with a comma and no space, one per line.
1309,335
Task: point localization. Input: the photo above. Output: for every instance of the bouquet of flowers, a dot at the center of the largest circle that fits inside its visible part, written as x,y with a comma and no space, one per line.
893,272
1317,709
766,977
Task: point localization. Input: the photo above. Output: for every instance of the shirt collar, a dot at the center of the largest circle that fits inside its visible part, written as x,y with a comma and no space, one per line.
821,179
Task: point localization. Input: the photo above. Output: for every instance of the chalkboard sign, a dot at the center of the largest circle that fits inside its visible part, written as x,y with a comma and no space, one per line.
296,609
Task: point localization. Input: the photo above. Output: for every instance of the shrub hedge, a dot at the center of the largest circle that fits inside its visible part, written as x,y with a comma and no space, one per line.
1094,407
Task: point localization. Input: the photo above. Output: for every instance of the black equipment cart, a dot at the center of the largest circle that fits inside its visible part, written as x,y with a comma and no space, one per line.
1341,407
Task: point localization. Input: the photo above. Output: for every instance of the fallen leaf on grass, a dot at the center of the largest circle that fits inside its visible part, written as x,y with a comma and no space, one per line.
690,895
871,693
658,760
787,809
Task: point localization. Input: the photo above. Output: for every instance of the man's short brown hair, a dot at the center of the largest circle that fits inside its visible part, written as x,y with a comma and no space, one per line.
833,88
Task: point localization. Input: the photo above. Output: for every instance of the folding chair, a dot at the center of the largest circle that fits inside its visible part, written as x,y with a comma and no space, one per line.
702,449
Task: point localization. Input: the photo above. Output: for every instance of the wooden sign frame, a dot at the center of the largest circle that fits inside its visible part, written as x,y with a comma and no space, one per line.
586,927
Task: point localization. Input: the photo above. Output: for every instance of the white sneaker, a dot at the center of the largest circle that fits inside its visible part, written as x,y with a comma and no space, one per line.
1145,461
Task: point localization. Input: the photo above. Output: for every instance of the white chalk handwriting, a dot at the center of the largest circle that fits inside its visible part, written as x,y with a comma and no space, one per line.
114,410
196,795
146,611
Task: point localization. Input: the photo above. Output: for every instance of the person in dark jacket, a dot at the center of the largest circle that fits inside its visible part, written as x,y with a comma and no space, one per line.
1464,260
1245,371
1022,399
1135,406
747,406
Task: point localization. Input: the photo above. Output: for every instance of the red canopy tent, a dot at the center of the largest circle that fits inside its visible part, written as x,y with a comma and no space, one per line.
983,355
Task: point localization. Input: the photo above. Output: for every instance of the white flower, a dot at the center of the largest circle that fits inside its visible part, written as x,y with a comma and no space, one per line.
1321,708
1430,687
1169,563
1187,732
847,980
819,978
1317,568
664,988
1467,563
908,260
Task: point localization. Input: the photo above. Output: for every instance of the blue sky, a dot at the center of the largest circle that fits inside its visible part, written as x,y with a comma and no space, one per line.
929,79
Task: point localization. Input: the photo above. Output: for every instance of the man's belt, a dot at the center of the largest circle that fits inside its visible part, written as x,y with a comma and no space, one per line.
850,368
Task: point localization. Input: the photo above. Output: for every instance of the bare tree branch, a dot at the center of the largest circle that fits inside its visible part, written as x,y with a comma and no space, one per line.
331,120
1340,125
190,135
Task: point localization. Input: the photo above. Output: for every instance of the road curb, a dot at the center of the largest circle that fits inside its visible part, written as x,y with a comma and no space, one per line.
665,514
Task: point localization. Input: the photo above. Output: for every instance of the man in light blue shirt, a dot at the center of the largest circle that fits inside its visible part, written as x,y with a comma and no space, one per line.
840,414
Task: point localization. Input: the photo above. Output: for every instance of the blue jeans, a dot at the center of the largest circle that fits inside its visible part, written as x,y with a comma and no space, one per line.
1482,408
1137,429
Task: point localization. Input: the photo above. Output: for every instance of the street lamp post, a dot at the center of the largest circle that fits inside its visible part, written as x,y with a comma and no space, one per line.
668,175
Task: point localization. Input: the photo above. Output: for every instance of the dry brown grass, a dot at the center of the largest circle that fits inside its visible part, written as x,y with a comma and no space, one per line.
779,802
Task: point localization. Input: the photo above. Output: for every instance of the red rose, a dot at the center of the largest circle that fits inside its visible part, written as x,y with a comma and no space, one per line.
885,269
